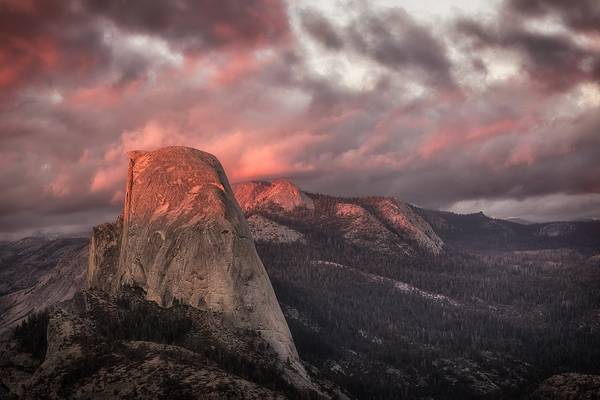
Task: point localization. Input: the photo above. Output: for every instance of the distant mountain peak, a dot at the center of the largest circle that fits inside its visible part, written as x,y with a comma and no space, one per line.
280,192
383,223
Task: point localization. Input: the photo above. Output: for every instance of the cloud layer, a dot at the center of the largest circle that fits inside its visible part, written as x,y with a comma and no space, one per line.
483,109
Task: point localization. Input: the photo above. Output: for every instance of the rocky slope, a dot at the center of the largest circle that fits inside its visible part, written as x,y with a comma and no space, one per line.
386,224
360,227
122,346
569,387
36,273
264,229
281,193
182,236
383,298
389,300
480,232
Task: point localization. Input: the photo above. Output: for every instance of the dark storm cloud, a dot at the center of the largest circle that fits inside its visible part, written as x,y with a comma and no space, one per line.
198,24
391,38
64,80
90,80
555,61
521,163
581,15
320,29
394,39
44,41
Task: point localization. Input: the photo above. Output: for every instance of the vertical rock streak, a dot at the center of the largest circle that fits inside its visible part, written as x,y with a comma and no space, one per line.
126,213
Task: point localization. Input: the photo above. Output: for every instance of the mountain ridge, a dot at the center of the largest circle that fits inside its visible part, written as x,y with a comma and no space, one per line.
391,218
455,229
372,309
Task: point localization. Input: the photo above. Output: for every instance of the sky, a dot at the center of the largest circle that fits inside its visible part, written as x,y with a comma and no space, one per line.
457,105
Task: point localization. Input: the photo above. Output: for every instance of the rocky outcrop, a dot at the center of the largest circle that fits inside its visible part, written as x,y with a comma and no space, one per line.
183,237
265,230
403,218
104,256
362,228
281,193
97,349
569,386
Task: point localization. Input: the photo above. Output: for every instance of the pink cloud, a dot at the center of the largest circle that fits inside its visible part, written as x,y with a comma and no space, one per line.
110,172
102,95
61,185
238,66
107,178
20,57
448,138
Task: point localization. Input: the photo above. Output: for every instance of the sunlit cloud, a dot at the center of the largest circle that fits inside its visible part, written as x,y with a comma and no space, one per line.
462,105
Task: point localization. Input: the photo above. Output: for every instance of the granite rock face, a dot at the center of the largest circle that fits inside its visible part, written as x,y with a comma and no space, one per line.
280,192
183,237
104,257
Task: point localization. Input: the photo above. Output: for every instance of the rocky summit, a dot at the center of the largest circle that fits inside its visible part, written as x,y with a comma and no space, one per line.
281,193
182,237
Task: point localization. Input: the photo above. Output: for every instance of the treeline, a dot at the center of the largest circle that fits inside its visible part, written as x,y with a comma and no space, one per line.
140,320
31,334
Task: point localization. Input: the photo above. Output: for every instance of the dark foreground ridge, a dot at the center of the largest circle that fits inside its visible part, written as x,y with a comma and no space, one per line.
105,346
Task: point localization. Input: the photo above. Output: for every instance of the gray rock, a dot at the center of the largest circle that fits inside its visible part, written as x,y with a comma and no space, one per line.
281,193
183,236
569,386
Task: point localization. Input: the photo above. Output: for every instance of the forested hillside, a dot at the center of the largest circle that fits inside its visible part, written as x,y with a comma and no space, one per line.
472,322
